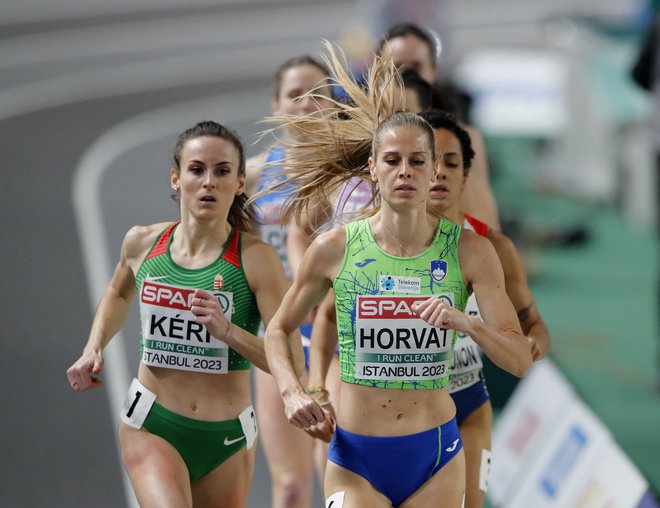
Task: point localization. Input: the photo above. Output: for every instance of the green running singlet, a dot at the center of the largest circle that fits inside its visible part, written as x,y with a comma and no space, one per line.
382,343
170,336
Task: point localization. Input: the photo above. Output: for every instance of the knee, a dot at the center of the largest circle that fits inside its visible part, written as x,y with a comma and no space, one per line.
292,489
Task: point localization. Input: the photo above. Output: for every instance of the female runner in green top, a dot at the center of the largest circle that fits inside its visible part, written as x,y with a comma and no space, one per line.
203,283
394,383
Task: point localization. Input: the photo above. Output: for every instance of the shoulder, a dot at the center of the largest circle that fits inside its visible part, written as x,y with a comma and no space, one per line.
502,243
257,255
139,239
253,246
474,250
332,241
324,256
508,254
261,265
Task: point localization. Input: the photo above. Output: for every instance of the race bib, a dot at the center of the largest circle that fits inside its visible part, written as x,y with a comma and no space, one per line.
336,500
484,470
392,343
249,425
137,404
466,364
171,337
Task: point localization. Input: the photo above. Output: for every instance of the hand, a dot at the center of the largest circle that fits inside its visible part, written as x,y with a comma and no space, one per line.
82,375
302,410
438,313
324,430
207,311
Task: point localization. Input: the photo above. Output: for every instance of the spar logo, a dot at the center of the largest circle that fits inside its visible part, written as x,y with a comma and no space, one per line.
438,269
392,307
167,296
387,307
179,298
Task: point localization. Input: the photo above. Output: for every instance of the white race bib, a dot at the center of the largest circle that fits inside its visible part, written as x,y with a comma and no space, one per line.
172,338
392,343
466,364
249,425
466,361
137,404
484,470
336,500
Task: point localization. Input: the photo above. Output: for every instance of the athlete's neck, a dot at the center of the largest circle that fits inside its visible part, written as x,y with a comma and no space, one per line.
193,238
403,234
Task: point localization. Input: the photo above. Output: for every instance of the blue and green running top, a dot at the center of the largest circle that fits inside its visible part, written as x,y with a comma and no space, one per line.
382,343
170,337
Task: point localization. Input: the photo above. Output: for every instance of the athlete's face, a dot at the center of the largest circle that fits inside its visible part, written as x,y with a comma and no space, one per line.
296,82
403,166
450,179
411,52
207,179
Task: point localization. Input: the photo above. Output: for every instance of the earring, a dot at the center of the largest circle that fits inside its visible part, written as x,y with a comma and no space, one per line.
175,188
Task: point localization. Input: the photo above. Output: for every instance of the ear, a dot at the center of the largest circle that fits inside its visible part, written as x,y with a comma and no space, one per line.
241,185
372,169
174,180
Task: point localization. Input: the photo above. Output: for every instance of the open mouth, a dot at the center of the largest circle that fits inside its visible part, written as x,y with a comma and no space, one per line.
439,190
209,199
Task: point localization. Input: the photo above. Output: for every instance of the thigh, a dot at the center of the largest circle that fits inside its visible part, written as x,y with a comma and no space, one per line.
476,432
288,449
447,484
228,485
157,472
358,492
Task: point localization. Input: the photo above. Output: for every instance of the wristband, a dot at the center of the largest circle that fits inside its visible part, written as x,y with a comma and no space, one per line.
227,332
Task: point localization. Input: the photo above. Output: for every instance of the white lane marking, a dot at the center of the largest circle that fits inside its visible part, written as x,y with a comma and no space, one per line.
225,31
251,63
162,123
32,11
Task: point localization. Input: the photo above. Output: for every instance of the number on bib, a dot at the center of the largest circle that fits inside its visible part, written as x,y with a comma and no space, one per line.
137,404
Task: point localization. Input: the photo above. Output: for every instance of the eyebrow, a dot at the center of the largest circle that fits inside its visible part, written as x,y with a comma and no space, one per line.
398,153
218,164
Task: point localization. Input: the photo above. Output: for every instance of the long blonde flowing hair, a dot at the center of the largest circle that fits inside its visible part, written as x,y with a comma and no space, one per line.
326,150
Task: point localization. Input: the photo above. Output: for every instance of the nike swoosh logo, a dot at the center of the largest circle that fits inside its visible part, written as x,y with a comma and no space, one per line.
331,503
229,442
452,447
365,262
